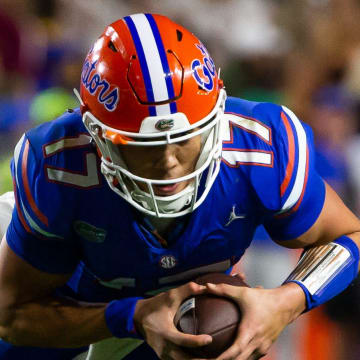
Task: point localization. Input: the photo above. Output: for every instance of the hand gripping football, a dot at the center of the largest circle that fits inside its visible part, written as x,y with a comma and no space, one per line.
209,314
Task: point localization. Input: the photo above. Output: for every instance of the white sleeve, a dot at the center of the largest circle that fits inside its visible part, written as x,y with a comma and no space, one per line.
7,203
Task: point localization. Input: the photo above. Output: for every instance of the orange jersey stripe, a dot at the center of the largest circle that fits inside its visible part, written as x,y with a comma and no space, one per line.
292,210
21,216
30,199
305,181
290,164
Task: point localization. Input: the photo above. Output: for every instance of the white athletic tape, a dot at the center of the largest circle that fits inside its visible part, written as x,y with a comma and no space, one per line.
318,265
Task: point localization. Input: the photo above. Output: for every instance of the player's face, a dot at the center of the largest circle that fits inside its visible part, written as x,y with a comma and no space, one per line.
164,162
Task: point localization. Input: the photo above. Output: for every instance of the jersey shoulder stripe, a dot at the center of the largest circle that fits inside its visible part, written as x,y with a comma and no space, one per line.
14,164
296,143
291,161
31,217
24,172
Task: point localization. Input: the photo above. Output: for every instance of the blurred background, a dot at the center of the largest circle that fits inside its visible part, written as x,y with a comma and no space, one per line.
302,54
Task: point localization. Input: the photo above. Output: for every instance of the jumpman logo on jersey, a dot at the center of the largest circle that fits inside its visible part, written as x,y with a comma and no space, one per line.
233,216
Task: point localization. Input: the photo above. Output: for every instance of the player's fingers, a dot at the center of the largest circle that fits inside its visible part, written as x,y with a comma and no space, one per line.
188,340
253,350
225,290
176,296
240,275
236,352
256,356
186,290
262,349
243,346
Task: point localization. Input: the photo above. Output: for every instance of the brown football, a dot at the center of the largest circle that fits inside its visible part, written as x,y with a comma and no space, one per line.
212,315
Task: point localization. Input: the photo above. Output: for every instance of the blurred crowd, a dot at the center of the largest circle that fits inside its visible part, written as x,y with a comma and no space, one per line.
302,54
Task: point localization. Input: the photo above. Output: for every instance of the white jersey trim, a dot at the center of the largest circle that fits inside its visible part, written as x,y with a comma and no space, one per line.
17,154
297,189
32,223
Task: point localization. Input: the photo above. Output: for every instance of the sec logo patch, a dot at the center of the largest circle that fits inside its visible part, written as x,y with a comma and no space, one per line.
168,261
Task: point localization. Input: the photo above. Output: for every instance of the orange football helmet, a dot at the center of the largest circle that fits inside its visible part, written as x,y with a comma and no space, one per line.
148,81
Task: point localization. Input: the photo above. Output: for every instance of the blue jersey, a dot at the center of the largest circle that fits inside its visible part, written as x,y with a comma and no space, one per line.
68,220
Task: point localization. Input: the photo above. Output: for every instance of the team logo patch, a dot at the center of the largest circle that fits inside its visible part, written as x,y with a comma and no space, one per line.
203,71
163,125
168,261
94,84
89,232
233,216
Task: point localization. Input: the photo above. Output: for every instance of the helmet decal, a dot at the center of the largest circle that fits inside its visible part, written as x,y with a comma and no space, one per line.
206,81
153,61
92,82
165,124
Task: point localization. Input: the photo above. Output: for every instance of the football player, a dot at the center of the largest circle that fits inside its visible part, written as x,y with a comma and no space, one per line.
160,177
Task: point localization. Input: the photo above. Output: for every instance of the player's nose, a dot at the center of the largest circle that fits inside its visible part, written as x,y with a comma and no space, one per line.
166,157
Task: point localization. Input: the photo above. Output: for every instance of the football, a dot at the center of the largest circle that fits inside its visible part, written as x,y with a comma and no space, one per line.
212,315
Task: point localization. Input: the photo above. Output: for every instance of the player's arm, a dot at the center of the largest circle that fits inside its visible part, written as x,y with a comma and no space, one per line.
33,266
31,315
330,260
38,255
334,221
306,214
268,311
310,215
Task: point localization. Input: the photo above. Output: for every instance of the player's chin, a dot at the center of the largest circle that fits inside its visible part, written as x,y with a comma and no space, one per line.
169,189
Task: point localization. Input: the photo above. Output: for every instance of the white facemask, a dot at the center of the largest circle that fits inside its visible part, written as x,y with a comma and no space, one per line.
125,183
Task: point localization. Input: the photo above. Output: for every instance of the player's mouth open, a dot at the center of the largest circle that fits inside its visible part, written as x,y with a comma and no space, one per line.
166,190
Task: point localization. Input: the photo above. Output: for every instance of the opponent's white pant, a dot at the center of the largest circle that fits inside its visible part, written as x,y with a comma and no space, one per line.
7,203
